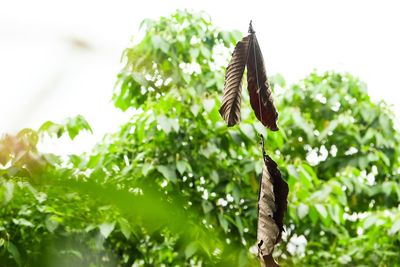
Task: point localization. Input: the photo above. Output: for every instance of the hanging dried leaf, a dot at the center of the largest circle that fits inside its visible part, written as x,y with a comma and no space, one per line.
268,261
272,204
256,74
230,109
268,230
281,190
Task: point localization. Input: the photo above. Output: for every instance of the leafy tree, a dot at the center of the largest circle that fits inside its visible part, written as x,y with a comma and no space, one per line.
175,186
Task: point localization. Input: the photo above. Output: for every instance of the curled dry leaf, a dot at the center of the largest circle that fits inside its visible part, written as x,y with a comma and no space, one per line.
272,204
268,261
268,231
281,190
248,53
258,87
230,109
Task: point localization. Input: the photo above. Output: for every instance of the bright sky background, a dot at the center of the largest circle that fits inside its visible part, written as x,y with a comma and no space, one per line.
60,58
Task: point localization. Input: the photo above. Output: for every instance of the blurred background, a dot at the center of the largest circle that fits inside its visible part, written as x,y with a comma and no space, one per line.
168,183
60,58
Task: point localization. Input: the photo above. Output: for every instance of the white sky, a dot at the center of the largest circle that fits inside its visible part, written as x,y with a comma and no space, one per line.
60,58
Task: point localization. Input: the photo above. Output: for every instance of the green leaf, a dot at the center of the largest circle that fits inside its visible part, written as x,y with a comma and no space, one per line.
223,222
77,124
164,123
208,104
239,224
160,43
279,80
106,229
6,192
191,249
125,227
243,258
194,53
182,166
395,227
147,168
335,213
205,52
214,176
207,206
29,135
13,250
23,222
302,210
387,188
321,210
52,128
52,223
247,130
168,172
72,125
260,128
305,178
195,109
209,150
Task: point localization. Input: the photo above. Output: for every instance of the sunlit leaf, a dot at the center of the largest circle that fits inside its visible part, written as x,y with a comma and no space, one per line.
106,228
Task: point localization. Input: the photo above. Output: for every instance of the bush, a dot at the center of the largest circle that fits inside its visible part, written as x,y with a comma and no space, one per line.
175,187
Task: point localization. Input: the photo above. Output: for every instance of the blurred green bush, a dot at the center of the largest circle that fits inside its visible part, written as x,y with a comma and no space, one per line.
175,187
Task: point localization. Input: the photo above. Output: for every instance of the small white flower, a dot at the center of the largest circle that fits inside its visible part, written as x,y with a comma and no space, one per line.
222,202
333,150
360,231
205,194
164,183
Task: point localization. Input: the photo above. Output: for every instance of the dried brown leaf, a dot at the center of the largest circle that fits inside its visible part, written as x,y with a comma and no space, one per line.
281,190
267,231
272,205
230,109
256,74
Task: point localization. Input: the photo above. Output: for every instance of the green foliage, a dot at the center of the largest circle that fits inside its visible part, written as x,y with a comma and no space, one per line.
176,187
181,51
72,126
